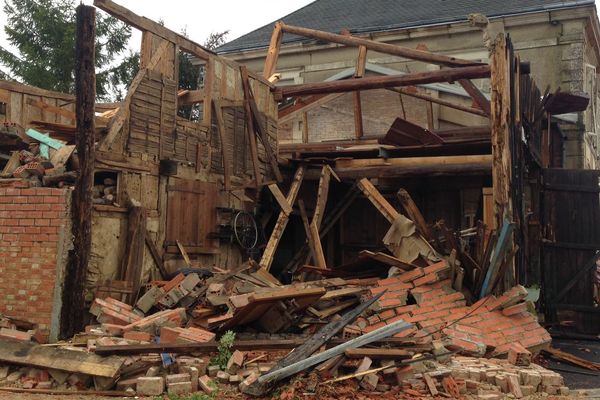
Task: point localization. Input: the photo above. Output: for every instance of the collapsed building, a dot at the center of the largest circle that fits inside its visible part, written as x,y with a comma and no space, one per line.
157,233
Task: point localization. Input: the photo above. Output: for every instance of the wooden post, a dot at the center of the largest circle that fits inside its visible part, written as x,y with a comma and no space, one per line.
305,127
500,115
73,312
273,53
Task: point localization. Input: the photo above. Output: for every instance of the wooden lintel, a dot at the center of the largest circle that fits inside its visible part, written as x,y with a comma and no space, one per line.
382,82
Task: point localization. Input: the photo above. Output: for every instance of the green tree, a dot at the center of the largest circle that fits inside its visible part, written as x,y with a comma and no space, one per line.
43,32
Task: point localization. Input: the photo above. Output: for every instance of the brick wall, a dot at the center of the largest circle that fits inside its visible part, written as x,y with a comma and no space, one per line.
34,229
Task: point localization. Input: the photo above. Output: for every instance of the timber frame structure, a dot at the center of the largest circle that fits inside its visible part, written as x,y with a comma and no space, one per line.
519,149
173,175
175,182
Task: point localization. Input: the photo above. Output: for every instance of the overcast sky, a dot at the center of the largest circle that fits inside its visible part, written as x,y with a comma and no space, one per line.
201,17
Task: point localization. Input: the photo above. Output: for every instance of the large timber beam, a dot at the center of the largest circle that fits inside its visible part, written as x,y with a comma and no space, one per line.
75,279
382,82
378,46
145,24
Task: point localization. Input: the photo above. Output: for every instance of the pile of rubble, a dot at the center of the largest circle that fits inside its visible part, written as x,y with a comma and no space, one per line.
152,342
35,158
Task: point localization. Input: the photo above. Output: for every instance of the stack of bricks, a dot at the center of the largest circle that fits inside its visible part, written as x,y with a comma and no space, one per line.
439,312
34,234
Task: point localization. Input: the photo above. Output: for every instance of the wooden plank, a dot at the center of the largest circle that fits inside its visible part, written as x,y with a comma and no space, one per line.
156,256
131,266
191,97
281,200
430,384
305,127
273,52
382,82
405,133
33,355
378,354
385,48
315,342
304,105
282,220
414,214
384,207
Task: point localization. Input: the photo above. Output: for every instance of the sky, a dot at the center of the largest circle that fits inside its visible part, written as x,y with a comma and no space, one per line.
200,17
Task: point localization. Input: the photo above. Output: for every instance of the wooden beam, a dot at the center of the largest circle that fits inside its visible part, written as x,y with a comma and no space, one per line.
145,24
258,126
378,46
382,82
281,200
371,193
322,194
439,101
476,95
305,105
75,279
282,220
250,128
408,162
227,163
414,214
312,234
273,52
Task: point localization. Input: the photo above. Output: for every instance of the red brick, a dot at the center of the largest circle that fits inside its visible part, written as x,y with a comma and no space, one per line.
141,336
440,266
387,314
429,278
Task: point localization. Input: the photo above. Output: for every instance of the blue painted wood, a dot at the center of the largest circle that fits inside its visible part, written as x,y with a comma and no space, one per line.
40,137
502,246
44,150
